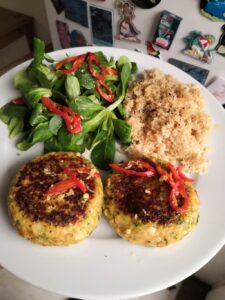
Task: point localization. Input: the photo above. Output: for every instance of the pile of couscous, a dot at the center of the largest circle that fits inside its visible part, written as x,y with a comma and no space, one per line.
168,121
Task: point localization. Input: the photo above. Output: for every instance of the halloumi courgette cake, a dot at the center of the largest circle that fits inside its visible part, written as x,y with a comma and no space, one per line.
56,199
150,203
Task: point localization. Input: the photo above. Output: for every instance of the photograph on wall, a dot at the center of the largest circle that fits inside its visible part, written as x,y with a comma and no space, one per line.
77,39
63,33
58,4
101,24
76,10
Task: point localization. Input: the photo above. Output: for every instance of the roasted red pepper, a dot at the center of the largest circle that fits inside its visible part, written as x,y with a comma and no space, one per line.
140,164
72,176
92,58
72,120
182,176
175,179
76,60
18,101
108,97
64,185
103,71
60,187
174,194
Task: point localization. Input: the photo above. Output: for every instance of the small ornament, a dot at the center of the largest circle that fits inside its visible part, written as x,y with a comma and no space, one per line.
166,30
198,46
151,50
126,29
213,9
196,72
146,3
220,48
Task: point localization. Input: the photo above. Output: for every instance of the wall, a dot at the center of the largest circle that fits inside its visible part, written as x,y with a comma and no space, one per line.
33,8
146,21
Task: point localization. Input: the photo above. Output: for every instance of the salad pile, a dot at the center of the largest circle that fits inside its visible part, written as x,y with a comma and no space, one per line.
71,105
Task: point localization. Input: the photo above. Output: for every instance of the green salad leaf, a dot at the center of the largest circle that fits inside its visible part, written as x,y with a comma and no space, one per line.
75,94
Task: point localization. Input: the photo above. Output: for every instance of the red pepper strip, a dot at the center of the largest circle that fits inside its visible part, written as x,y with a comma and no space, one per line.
18,101
161,172
108,97
93,58
148,173
60,187
106,71
77,63
182,176
78,183
65,61
173,200
177,173
71,119
177,187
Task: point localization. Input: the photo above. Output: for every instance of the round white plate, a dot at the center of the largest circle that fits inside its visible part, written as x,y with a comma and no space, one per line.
104,266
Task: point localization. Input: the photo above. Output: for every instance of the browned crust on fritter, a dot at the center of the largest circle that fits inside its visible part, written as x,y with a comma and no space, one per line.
36,177
143,198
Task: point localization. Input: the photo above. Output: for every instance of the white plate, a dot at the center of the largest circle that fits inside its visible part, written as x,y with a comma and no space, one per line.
105,266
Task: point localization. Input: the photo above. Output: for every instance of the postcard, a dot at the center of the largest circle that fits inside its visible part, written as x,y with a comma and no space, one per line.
196,72
101,24
63,33
58,4
76,10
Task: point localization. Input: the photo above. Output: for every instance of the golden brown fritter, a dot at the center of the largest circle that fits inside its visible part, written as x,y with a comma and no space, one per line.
139,210
62,218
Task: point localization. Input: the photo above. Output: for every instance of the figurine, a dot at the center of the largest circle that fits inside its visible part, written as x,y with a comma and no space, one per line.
126,28
198,46
213,9
220,48
151,50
